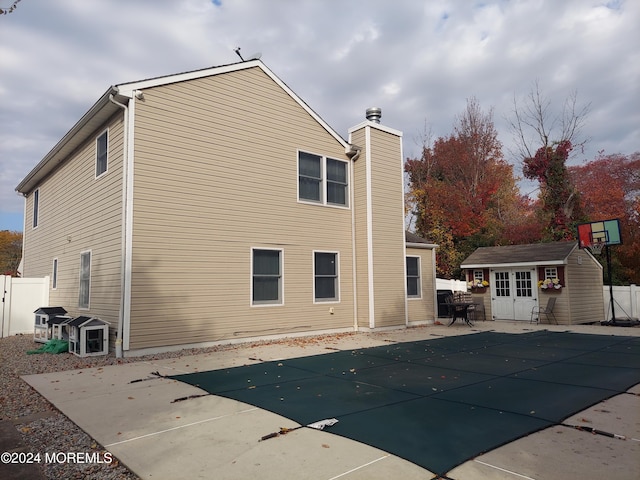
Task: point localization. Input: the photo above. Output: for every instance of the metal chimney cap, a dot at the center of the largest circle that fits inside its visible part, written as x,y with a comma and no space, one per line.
374,114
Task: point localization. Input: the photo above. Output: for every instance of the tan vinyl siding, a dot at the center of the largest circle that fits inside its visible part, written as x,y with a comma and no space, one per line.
584,288
388,229
360,214
216,174
79,212
423,309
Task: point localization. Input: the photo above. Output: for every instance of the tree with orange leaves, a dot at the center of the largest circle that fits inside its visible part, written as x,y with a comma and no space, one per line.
10,252
610,188
462,191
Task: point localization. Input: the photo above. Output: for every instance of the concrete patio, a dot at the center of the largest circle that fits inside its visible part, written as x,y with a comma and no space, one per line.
134,414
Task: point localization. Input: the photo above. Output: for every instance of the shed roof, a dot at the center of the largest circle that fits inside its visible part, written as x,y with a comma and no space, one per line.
417,241
552,253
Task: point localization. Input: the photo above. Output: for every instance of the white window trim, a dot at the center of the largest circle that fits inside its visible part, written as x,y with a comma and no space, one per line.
478,275
419,296
35,213
313,278
546,269
54,274
323,182
266,304
96,154
88,307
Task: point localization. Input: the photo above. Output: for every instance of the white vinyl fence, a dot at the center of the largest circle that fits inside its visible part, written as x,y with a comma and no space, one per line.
626,301
20,298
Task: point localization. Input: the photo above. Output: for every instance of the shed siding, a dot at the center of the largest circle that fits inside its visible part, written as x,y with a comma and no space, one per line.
79,212
216,174
584,280
423,309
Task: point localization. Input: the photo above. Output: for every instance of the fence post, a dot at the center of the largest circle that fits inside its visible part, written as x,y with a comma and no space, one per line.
633,293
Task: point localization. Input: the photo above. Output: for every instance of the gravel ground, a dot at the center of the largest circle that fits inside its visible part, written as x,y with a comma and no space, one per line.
46,430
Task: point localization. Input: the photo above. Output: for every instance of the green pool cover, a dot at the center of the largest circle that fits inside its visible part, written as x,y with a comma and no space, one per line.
440,402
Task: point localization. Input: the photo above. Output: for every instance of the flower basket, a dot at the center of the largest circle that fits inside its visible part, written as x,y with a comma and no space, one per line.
550,285
478,286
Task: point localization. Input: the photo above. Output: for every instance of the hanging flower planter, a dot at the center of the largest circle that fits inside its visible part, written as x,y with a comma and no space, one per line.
478,286
550,285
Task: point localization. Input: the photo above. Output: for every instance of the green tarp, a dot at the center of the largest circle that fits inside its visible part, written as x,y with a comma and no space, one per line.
52,346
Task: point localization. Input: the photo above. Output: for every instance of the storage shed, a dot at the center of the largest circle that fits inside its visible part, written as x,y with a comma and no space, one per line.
511,280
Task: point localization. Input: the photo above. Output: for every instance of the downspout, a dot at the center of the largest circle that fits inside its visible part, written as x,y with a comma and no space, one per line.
353,232
122,312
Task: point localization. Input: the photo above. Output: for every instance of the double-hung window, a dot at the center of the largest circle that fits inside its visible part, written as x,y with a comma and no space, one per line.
85,280
322,180
414,289
102,153
550,273
325,277
266,285
54,274
36,207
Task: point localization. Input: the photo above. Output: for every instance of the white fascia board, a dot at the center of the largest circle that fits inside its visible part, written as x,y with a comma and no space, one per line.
129,89
515,265
369,123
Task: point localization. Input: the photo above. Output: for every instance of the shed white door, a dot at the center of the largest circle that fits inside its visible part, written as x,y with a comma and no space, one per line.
514,293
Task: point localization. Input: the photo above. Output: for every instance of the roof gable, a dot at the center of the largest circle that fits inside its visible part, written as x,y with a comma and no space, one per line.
104,109
553,253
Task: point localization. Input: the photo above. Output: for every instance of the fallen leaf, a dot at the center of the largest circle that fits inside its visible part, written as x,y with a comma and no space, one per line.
129,398
324,445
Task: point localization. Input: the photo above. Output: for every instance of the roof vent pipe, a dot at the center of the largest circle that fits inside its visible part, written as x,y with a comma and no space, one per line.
374,114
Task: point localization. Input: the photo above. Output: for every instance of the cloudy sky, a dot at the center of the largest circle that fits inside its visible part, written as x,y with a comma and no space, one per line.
419,60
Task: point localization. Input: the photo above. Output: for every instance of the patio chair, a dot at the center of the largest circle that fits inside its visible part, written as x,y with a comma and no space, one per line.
476,310
548,311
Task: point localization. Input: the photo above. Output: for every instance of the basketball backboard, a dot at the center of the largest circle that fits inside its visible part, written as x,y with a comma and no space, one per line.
602,232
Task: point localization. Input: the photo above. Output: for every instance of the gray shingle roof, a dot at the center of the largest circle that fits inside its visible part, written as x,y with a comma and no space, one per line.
537,253
413,238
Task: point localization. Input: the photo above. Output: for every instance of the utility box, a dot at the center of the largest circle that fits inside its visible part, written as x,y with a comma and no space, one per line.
45,318
88,336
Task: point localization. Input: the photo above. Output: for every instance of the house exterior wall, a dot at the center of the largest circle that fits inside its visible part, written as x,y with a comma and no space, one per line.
215,175
423,309
79,212
379,227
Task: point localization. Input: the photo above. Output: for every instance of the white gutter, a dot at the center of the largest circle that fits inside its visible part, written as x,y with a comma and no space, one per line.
125,245
353,232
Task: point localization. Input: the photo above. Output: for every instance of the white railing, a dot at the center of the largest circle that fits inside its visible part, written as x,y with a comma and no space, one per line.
454,285
626,301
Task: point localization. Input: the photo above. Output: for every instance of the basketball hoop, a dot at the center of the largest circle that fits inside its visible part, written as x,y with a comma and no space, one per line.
596,247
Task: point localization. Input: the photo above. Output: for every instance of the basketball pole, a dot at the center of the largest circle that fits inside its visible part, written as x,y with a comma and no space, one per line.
611,302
